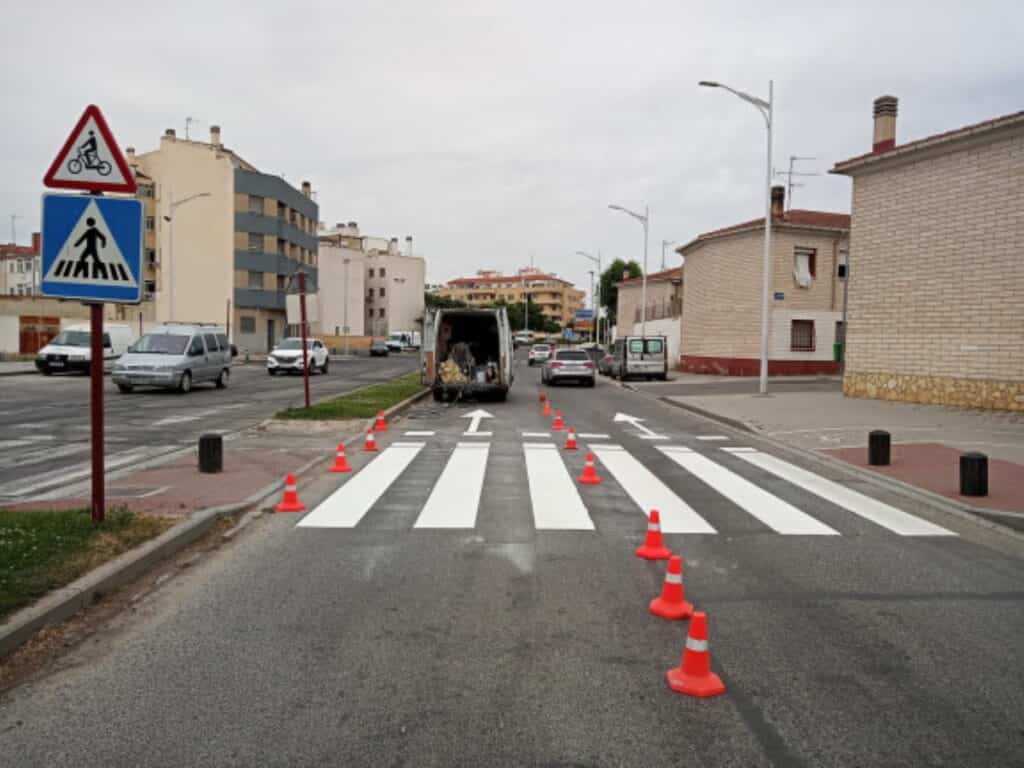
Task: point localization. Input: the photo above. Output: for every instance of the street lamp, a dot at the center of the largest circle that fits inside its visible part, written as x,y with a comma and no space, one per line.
170,249
644,219
766,109
664,245
595,299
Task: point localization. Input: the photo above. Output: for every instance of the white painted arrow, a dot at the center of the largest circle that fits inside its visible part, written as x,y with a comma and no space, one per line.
638,423
476,416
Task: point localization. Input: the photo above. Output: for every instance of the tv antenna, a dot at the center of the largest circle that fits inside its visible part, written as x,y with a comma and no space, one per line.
790,184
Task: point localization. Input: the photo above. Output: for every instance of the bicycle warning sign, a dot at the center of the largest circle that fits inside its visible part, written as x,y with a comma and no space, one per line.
91,159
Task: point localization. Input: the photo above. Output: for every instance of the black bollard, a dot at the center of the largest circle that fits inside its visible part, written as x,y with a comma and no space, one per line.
211,454
973,474
878,448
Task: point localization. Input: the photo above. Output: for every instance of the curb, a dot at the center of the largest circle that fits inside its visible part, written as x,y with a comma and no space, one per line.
984,518
28,372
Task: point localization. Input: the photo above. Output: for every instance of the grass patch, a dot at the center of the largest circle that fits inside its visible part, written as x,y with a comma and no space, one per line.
361,404
41,551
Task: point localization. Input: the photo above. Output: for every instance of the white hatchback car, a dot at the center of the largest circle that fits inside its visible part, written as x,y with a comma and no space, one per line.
539,353
287,356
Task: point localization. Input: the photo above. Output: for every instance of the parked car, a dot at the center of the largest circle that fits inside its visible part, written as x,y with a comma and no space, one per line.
399,340
287,356
539,353
379,349
569,365
176,356
604,365
70,349
639,357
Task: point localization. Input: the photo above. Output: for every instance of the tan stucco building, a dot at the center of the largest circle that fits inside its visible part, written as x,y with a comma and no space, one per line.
558,299
239,236
721,318
936,305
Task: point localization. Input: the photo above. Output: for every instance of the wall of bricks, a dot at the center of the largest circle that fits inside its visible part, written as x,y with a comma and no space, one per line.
629,302
936,306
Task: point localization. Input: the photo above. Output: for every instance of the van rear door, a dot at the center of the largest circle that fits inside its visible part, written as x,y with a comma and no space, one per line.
505,346
429,346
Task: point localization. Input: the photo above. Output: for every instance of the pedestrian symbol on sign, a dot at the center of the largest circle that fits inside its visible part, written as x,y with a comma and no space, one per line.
89,237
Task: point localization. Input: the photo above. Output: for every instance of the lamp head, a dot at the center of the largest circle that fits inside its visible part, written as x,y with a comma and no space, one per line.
710,84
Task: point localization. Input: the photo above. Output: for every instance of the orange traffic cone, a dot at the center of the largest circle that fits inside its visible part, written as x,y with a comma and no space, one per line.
672,604
589,476
290,502
694,676
370,445
547,407
570,440
340,462
542,397
653,549
381,425
559,425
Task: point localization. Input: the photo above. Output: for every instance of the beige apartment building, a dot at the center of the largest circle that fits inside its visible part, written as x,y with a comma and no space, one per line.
558,299
721,312
936,305
223,241
367,284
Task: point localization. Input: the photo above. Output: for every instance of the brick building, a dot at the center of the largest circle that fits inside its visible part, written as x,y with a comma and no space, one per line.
664,307
936,298
721,308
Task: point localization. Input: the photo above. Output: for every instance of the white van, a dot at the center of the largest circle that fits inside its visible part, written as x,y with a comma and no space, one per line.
467,353
70,349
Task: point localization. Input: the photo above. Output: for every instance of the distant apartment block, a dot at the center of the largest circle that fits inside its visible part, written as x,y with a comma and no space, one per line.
721,317
223,241
19,268
558,299
936,271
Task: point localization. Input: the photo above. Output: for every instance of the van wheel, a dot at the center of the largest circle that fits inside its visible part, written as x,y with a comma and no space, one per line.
46,371
438,396
501,396
125,388
222,380
185,385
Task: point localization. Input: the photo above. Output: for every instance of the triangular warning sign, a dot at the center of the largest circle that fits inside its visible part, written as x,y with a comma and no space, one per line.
90,255
90,159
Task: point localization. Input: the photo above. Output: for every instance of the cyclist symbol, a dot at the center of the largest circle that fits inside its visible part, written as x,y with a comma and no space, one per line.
88,158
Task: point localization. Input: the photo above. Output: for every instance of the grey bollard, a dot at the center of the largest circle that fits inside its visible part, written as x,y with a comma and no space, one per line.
973,474
211,454
878,448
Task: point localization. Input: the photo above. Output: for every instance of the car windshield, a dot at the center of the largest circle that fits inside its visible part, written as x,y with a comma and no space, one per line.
541,348
572,354
72,339
161,344
294,344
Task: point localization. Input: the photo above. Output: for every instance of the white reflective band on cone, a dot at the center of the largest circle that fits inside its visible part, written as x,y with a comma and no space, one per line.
696,645
673,578
289,487
653,526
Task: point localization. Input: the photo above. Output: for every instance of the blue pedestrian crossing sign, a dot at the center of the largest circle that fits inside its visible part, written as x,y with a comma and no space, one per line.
92,248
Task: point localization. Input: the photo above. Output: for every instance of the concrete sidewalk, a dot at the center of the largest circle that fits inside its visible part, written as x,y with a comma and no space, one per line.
17,368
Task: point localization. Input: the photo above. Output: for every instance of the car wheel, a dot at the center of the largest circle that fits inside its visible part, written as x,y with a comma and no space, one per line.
590,382
185,385
125,388
271,371
323,368
222,380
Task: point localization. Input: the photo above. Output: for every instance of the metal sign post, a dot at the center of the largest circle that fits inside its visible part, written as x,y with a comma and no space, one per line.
96,410
302,325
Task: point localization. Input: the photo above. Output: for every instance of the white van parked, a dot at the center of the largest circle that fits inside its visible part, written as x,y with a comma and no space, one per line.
70,350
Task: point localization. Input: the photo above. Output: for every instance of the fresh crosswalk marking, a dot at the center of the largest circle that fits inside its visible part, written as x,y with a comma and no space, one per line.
346,506
870,509
454,501
649,492
777,514
553,495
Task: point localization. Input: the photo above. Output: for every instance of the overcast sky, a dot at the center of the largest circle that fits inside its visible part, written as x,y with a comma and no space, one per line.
496,131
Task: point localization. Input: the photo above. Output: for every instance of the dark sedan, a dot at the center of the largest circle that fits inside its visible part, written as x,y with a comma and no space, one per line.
378,349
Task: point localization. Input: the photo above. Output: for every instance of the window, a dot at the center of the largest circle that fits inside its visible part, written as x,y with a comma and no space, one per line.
150,223
380,312
151,257
842,267
840,332
282,246
369,293
282,283
653,346
150,287
255,242
369,273
804,266
381,292
145,191
106,341
247,324
382,272
211,341
282,210
196,347
256,280
635,346
369,310
255,204
801,336
223,341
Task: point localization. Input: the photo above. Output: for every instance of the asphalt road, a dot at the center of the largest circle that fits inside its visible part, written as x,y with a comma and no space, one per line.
45,428
374,635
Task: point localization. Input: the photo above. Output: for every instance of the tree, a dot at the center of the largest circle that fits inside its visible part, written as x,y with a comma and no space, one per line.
436,301
538,320
615,273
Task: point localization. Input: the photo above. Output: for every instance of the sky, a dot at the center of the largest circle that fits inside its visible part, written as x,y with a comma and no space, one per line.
496,133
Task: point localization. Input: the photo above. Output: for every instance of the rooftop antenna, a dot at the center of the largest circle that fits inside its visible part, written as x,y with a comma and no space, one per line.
790,184
14,228
188,124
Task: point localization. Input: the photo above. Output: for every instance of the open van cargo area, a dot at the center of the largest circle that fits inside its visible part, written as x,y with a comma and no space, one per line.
468,352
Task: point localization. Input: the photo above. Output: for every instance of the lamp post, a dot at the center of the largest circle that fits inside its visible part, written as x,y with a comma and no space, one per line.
344,309
664,245
597,302
175,204
645,219
766,108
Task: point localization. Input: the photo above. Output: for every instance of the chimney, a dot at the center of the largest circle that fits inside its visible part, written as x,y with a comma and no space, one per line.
885,124
36,243
215,135
408,243
130,155
307,189
393,246
778,202
169,133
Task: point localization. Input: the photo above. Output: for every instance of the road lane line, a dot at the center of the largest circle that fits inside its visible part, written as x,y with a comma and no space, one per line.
871,509
712,437
456,496
420,433
649,492
592,436
777,514
536,434
556,502
477,434
346,506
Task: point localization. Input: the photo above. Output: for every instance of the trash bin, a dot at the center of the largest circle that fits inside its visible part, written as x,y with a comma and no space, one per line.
837,351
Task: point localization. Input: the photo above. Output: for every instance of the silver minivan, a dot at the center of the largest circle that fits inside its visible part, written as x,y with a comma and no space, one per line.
639,357
176,356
